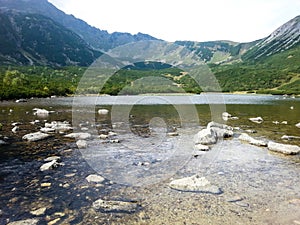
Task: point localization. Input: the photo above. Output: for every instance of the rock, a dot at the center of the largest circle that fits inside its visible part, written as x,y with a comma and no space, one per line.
111,134
16,124
35,136
24,222
103,111
205,137
103,136
80,136
283,148
15,129
201,147
38,212
114,141
284,122
40,112
49,165
47,130
173,134
256,119
275,122
115,206
226,116
298,125
81,144
287,137
21,100
234,118
219,125
251,140
94,178
45,184
51,158
221,130
195,184
251,131
52,222
2,142
59,126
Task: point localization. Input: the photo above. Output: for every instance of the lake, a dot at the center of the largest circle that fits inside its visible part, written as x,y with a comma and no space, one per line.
141,157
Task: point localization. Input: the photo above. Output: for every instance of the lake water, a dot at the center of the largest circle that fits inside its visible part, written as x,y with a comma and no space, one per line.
142,164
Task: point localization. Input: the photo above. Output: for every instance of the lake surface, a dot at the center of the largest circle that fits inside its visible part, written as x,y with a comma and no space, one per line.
146,158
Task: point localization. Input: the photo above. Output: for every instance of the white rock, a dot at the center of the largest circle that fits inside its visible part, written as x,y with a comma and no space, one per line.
115,206
196,184
287,137
40,112
80,136
103,136
205,137
222,133
219,125
47,130
49,165
111,134
251,140
298,125
59,126
35,136
24,222
284,122
15,129
283,148
51,158
256,119
16,124
201,147
81,144
226,116
103,111
94,178
173,134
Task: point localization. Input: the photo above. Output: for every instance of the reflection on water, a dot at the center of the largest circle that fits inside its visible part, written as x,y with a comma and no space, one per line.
142,122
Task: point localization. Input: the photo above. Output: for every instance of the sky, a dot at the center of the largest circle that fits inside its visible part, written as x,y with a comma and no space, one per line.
195,20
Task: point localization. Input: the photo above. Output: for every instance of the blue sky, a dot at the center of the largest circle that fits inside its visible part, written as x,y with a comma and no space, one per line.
197,20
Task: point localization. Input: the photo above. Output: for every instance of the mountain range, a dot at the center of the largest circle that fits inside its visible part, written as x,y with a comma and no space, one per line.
35,32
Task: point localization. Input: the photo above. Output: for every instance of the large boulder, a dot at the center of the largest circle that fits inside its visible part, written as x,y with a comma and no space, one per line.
206,137
195,184
283,148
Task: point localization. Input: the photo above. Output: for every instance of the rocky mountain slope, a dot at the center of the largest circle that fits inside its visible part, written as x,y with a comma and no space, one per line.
31,39
99,39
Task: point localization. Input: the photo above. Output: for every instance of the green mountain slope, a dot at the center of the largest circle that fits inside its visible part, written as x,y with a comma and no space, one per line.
31,39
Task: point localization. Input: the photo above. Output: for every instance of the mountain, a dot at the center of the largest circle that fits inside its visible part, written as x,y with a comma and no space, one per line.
282,39
32,39
98,39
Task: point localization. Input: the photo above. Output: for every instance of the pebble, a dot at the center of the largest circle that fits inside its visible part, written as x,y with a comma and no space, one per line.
38,212
45,184
52,222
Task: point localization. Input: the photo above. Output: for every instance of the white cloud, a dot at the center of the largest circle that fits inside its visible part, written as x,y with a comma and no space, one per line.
236,20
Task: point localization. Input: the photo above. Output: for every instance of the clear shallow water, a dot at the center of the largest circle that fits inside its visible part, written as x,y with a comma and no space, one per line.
266,180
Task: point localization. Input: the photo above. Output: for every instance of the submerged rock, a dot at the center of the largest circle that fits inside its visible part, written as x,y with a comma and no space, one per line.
245,137
115,206
94,178
256,119
80,136
195,184
103,111
81,144
37,136
24,222
283,148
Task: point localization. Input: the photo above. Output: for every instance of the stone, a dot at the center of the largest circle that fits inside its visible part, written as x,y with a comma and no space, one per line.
47,130
287,137
245,137
219,125
298,125
37,136
283,148
38,212
115,206
81,144
45,184
49,165
51,158
201,147
173,134
59,126
103,111
205,137
80,136
256,119
222,133
21,100
40,112
94,178
226,116
195,184
103,136
251,131
52,222
24,222
15,129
